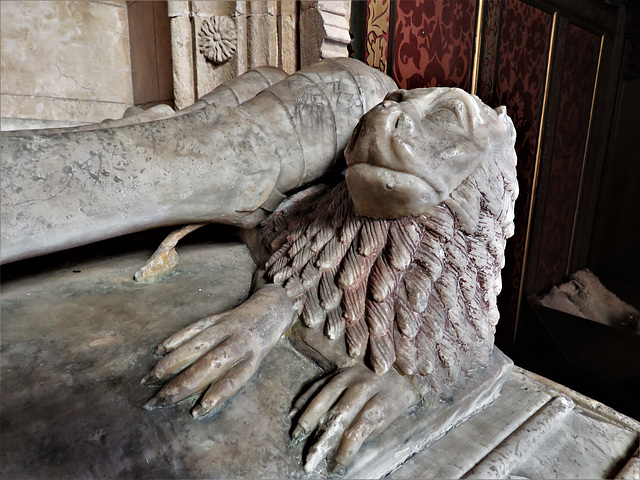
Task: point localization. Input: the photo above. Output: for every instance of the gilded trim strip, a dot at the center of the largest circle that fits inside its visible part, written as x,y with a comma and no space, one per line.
475,71
377,38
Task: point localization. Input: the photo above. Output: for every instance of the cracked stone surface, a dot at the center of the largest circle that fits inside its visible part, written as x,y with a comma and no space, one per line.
77,339
74,67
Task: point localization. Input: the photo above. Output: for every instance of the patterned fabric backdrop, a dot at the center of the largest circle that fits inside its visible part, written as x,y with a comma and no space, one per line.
578,79
433,44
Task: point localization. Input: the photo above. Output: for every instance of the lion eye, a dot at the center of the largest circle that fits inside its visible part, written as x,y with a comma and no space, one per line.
444,117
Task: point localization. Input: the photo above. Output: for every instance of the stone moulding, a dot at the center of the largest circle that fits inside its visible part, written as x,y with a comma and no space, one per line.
217,39
326,31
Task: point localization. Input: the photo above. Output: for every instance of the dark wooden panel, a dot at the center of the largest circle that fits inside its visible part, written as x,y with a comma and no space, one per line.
616,234
568,149
523,57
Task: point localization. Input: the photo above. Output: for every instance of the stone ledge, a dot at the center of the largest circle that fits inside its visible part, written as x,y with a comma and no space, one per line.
60,109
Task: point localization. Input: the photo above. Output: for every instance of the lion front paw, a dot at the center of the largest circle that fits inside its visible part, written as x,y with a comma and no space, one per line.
221,352
348,408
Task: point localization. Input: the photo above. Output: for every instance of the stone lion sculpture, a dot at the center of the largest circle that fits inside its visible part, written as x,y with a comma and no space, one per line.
399,266
389,276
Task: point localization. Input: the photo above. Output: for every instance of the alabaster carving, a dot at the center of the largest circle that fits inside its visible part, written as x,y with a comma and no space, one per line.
399,267
396,268
217,39
213,162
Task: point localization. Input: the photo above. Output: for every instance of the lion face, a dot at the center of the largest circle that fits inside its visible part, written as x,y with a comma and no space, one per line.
413,149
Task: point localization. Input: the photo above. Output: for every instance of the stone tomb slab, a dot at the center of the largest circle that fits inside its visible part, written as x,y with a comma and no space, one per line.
76,341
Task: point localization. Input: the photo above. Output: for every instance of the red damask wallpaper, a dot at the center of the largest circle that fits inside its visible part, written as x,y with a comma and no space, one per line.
433,44
520,85
578,79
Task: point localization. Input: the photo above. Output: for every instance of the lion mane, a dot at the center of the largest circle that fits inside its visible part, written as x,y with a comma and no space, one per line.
417,293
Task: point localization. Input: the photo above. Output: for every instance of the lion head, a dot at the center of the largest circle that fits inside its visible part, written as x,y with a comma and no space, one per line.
412,150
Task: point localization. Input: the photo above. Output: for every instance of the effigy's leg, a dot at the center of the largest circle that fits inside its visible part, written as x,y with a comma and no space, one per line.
327,91
214,164
65,190
230,94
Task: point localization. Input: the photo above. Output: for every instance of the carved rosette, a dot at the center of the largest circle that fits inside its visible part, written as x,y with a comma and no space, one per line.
217,39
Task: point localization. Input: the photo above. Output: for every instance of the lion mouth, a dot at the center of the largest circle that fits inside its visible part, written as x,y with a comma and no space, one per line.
370,168
387,178
379,191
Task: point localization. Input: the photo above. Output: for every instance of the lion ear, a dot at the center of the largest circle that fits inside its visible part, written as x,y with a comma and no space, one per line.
501,111
502,116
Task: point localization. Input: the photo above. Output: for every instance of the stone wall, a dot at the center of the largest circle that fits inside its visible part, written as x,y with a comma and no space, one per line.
324,30
88,60
284,34
65,60
261,33
150,39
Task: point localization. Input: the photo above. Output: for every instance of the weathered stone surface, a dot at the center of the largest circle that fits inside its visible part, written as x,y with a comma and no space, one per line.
7,124
82,334
266,32
77,339
420,427
65,60
326,31
84,340
455,454
60,109
182,43
587,440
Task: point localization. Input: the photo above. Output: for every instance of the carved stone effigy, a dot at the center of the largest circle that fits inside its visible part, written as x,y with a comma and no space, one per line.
69,189
393,273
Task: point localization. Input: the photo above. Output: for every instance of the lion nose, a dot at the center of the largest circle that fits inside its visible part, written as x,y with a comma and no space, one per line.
402,122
